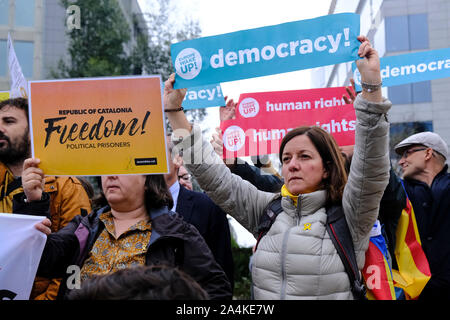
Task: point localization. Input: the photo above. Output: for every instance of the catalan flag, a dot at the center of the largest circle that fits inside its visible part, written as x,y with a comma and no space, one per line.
413,270
377,271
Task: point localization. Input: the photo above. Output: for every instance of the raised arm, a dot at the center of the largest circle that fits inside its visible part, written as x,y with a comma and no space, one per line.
172,105
231,193
369,171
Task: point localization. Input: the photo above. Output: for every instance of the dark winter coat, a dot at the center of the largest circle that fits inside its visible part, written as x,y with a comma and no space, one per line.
212,223
432,209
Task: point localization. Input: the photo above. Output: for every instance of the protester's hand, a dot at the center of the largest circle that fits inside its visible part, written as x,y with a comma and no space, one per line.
44,226
32,179
173,98
351,91
369,67
228,111
217,142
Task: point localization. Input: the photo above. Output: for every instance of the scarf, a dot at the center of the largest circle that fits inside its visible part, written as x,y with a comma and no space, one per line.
285,193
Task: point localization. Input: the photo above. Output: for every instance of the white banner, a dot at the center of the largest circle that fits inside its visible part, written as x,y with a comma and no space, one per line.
19,84
21,246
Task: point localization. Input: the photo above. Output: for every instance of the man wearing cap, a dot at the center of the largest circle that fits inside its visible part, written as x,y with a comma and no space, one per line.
427,184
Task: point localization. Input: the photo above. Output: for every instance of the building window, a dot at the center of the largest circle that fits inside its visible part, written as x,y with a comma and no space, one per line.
4,12
405,33
3,58
25,53
24,13
418,31
418,92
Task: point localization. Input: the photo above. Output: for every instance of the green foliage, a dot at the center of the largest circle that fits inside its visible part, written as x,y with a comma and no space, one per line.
98,47
242,276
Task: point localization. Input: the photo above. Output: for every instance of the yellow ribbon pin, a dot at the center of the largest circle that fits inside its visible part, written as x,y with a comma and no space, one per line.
307,226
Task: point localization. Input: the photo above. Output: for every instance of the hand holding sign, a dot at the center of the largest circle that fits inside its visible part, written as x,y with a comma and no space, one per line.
369,68
172,98
228,111
32,179
44,226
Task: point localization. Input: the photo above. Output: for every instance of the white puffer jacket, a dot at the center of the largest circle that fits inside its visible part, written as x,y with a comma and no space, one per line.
296,259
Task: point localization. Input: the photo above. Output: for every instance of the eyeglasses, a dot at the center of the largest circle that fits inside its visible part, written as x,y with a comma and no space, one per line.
408,152
185,177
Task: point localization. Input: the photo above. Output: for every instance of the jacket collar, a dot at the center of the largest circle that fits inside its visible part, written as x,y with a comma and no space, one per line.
160,226
307,203
3,170
442,173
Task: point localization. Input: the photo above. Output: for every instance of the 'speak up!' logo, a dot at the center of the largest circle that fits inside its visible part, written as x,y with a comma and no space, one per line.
233,138
249,107
188,63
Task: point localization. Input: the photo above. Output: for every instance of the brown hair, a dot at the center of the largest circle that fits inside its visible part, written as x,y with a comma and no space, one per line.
158,282
20,103
157,194
332,159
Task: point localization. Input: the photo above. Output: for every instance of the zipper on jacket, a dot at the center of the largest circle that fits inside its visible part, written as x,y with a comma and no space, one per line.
284,252
283,264
298,210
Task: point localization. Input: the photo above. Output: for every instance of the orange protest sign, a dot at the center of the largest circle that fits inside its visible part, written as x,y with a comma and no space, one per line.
98,126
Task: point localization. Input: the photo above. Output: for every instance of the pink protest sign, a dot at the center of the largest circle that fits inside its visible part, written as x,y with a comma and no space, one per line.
264,118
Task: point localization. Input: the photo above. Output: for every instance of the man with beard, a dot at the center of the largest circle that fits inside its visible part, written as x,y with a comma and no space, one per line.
68,198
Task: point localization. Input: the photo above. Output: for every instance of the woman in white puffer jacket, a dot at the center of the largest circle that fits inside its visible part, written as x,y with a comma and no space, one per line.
297,259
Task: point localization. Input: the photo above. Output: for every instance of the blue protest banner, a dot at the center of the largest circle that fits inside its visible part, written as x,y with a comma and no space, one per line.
204,97
411,67
268,50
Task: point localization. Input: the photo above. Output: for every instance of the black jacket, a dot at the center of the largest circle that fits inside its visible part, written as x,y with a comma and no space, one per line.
173,242
432,209
254,175
212,223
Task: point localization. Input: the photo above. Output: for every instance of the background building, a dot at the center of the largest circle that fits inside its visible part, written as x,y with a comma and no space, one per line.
38,29
397,27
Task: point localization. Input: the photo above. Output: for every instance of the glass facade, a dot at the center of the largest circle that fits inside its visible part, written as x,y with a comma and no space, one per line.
406,33
4,12
396,29
25,53
24,13
3,58
410,93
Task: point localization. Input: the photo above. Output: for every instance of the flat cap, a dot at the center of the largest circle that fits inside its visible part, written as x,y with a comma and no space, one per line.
429,139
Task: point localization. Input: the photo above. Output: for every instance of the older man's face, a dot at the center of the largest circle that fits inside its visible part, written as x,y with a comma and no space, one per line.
185,178
413,160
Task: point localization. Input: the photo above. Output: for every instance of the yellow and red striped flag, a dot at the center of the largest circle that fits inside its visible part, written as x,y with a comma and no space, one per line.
377,271
413,270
